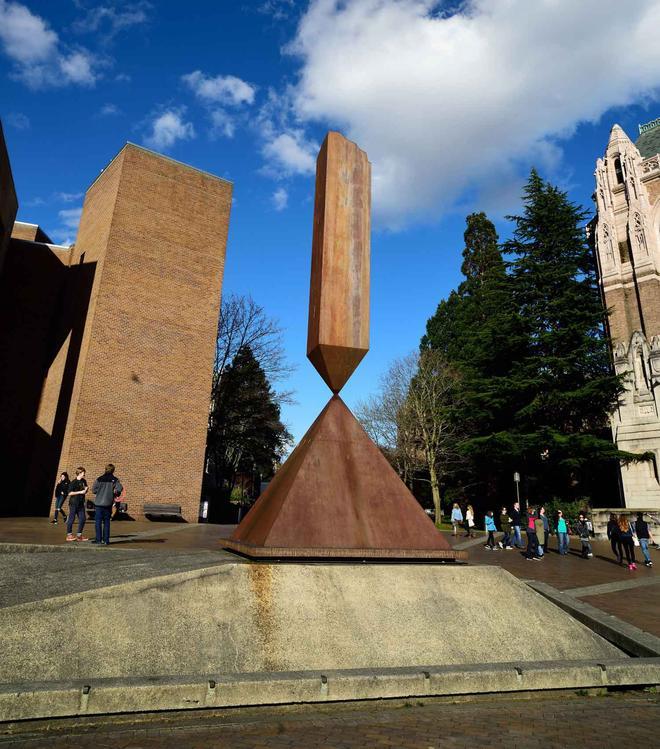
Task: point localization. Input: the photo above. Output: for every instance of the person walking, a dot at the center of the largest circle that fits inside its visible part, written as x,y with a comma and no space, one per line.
532,538
469,521
77,490
643,533
505,527
546,529
516,524
584,533
562,534
61,491
539,529
626,536
105,488
614,536
489,521
456,518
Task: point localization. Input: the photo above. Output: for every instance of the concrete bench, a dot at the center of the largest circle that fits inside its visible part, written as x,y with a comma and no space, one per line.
162,509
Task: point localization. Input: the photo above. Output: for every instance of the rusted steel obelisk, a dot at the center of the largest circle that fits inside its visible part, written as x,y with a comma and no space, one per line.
337,496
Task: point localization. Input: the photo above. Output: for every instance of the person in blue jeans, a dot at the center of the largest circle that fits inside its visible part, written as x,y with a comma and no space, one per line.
643,533
515,524
106,488
562,533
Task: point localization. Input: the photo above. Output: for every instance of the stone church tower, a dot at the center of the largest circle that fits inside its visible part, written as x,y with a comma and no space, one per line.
627,238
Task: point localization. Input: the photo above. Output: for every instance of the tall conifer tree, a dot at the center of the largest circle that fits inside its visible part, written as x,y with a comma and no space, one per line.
564,382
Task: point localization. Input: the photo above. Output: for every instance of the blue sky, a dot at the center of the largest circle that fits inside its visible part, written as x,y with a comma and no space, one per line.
453,102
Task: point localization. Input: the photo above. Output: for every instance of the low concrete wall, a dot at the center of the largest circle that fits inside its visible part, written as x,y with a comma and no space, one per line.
99,696
243,618
600,516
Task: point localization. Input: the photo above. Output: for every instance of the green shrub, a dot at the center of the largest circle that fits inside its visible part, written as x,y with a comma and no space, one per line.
570,510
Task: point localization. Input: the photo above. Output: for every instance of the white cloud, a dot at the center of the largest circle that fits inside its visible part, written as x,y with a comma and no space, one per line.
18,120
167,128
26,37
228,89
110,19
68,197
78,67
445,102
39,58
290,153
280,199
223,123
70,217
109,109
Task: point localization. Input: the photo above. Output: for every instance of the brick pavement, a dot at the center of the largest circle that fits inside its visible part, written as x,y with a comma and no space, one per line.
556,722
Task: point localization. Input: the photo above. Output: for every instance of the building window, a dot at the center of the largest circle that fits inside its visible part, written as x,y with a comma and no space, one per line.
624,251
618,171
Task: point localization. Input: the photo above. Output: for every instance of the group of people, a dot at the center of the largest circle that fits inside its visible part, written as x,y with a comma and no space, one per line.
623,534
107,490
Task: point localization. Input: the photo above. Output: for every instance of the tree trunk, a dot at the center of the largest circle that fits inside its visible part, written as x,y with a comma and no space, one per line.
435,491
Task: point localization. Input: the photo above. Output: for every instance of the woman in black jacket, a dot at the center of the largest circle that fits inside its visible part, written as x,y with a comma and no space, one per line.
61,491
614,535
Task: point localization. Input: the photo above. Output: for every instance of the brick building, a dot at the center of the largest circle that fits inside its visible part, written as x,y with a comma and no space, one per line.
107,346
627,239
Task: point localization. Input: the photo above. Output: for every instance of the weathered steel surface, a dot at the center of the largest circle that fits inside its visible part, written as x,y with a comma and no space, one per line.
338,496
338,329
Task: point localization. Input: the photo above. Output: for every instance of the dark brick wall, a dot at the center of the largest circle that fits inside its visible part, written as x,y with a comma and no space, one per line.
8,200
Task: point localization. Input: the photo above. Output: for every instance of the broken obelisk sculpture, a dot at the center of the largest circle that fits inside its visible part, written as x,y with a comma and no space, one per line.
337,496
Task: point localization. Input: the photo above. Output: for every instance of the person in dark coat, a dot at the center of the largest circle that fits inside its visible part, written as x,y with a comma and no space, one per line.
61,492
615,537
106,488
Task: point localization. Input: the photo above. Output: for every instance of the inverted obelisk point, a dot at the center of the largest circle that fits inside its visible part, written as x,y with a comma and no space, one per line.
338,329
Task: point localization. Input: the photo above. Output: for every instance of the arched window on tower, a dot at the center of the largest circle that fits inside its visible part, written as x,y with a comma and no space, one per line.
618,171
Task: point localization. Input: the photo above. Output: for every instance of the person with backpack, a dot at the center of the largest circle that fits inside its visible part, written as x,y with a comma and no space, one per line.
584,533
562,533
61,491
106,487
626,536
532,551
505,526
77,490
643,533
489,521
539,528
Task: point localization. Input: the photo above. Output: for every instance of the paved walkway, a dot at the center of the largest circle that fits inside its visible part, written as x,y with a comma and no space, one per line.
615,721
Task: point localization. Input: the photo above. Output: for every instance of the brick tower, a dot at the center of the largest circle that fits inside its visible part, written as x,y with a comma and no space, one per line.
107,346
627,239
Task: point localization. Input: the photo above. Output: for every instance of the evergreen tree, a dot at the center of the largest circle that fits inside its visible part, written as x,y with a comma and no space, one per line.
563,387
478,330
245,432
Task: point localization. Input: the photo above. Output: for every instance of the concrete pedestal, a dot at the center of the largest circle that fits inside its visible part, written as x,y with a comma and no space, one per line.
246,618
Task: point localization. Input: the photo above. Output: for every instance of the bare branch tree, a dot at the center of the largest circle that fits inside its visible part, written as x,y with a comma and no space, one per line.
409,417
244,323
